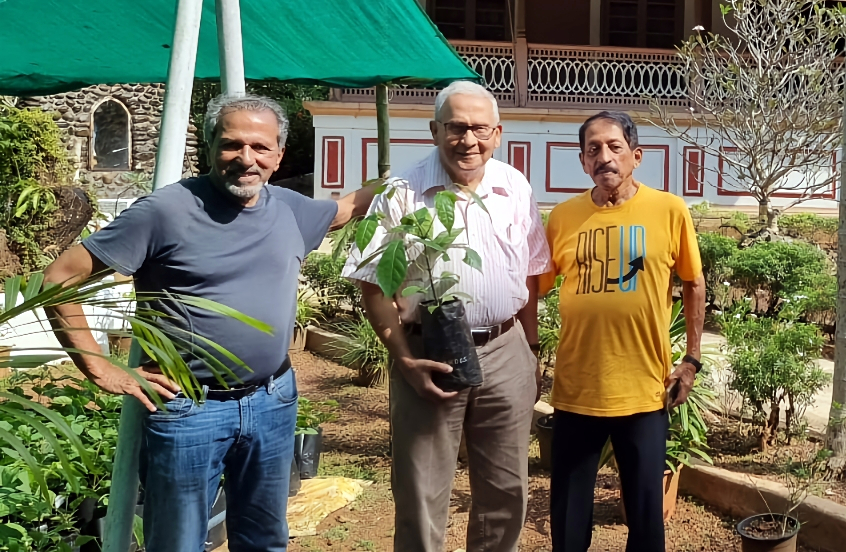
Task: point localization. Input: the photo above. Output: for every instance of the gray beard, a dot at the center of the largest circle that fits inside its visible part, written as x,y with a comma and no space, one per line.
244,192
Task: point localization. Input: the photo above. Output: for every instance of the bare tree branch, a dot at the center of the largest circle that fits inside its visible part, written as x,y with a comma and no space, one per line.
767,99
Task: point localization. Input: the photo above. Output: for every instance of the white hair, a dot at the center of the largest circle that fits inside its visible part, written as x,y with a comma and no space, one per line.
247,102
467,88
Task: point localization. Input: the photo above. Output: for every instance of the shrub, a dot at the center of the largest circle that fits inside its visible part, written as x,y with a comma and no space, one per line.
772,365
335,293
716,251
777,267
549,324
809,226
814,299
49,525
33,160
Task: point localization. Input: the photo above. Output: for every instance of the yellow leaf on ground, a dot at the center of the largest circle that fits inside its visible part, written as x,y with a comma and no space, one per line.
317,499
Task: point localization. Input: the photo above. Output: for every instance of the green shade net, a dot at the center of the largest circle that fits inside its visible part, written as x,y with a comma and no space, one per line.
51,46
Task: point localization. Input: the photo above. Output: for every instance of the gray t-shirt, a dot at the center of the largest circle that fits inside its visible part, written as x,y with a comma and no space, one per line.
190,238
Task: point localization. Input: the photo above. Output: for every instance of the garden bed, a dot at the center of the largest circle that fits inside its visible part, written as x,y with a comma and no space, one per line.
357,446
735,447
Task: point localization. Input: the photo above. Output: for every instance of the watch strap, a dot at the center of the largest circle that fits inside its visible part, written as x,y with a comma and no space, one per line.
694,361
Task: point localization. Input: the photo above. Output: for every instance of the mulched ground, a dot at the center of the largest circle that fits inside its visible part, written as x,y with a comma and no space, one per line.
357,446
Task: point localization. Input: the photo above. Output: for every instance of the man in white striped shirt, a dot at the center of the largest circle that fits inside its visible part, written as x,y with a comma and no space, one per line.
427,422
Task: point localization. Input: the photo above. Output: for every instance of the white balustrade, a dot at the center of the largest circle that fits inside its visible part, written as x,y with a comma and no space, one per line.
610,76
563,76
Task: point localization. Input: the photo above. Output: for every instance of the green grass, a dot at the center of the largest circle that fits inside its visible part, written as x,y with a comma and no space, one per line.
364,545
337,534
342,465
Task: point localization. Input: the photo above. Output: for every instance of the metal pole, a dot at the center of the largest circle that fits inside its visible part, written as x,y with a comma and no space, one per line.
123,495
230,47
177,101
383,131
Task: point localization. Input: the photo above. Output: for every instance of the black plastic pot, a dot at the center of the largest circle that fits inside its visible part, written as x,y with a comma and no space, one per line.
307,450
447,338
750,542
543,430
294,484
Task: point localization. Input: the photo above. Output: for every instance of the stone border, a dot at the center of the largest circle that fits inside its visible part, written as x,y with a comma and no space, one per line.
324,343
739,495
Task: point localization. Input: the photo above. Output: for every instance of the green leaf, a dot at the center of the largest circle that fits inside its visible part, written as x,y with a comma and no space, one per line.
366,231
138,530
392,268
472,259
411,290
421,220
445,208
29,460
13,287
33,285
725,9
12,531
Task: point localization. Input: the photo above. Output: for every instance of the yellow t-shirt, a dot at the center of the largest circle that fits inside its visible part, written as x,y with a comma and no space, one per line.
615,302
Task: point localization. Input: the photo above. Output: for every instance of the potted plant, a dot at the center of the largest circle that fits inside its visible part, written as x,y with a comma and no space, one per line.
779,531
307,314
362,351
422,241
308,436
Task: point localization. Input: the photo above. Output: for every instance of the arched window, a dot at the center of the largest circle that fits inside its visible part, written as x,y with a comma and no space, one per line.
111,138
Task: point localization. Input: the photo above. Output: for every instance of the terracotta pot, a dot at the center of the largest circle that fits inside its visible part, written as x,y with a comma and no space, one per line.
543,430
370,376
750,542
671,493
298,341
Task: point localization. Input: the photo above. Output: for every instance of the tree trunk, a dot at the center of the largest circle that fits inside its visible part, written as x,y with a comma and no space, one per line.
770,434
836,436
764,212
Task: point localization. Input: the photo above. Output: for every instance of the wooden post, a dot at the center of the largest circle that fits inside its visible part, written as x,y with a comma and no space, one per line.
521,64
383,130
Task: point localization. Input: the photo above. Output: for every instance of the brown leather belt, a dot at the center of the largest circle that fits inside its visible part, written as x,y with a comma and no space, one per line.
481,336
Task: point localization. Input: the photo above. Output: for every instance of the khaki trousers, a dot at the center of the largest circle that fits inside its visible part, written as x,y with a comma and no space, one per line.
496,419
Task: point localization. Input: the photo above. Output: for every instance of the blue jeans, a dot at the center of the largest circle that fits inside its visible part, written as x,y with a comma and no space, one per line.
187,448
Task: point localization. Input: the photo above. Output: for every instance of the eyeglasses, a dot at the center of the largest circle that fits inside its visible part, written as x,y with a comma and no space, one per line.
458,130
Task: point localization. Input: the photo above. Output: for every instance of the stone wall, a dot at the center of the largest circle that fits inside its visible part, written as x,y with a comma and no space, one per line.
72,111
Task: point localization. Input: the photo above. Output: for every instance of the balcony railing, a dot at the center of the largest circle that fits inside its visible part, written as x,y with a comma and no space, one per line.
573,76
530,75
493,60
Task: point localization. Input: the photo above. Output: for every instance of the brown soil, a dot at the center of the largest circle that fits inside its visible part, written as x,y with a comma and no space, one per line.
735,446
768,528
357,446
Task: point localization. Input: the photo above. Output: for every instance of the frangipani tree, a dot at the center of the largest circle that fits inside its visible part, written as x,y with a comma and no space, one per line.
767,100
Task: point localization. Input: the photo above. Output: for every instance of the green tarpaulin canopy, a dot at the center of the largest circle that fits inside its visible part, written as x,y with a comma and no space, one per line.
51,46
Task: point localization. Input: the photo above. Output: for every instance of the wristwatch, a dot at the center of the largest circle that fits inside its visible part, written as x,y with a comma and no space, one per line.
695,362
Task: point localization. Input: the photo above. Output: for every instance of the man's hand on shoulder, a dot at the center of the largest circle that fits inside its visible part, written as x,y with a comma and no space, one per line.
683,376
418,373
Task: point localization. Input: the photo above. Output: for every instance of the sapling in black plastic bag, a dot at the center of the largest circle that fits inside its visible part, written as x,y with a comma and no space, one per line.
422,240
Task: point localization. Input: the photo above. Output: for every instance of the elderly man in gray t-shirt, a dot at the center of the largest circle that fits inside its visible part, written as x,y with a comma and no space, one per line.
227,237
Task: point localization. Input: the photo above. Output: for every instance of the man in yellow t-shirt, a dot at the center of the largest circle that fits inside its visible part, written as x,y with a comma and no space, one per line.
617,247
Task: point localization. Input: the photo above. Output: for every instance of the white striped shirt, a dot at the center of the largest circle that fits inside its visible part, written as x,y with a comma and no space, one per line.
509,238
